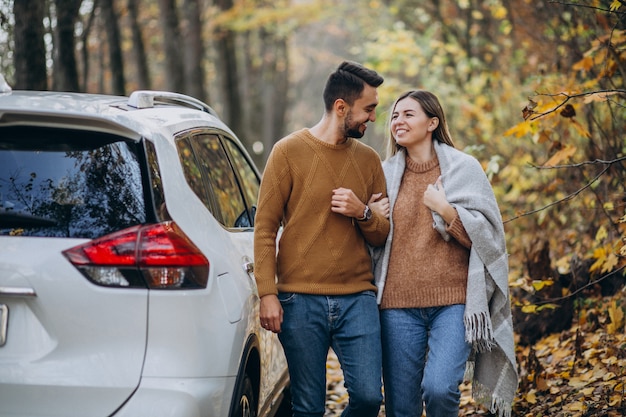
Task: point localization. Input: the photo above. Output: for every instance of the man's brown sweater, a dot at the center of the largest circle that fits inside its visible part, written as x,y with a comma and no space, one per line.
319,252
424,270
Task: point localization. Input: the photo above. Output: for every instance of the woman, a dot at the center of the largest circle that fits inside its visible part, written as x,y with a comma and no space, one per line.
443,273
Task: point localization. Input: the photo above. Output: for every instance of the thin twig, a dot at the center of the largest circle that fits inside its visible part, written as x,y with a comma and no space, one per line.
580,164
581,289
564,199
568,97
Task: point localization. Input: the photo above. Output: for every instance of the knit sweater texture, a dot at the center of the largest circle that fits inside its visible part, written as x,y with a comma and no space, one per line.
424,269
318,251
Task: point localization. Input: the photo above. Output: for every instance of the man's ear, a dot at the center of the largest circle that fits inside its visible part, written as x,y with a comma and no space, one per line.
340,107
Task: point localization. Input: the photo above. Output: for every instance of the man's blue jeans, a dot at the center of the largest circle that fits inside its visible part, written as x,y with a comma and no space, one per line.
424,356
350,324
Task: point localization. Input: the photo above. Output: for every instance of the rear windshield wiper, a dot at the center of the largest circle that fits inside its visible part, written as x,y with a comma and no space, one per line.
24,220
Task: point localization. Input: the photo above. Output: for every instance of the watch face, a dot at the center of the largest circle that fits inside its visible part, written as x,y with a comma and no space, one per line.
368,213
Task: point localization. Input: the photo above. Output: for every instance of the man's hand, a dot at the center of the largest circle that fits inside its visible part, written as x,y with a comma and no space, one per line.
379,205
271,313
345,202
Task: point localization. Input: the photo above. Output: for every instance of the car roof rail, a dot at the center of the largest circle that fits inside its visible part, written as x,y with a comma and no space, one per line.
144,99
4,86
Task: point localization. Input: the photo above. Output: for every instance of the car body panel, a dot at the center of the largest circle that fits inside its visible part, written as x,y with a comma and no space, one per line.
44,357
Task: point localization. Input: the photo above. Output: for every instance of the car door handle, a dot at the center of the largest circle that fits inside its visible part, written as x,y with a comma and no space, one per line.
18,292
248,267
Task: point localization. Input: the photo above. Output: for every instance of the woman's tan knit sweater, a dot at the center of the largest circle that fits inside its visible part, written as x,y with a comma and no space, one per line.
424,270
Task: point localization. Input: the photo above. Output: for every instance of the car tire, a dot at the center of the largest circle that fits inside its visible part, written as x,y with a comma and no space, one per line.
246,405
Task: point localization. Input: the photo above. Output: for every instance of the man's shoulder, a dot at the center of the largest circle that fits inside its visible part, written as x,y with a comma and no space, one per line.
295,135
366,149
293,139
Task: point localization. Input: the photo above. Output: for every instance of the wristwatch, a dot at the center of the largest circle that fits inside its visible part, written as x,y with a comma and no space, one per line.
367,214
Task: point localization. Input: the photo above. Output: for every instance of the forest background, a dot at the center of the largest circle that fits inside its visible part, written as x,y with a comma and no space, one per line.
534,89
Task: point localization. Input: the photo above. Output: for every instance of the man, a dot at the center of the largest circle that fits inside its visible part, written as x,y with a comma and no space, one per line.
316,184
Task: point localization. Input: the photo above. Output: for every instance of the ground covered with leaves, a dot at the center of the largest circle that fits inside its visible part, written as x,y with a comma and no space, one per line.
579,372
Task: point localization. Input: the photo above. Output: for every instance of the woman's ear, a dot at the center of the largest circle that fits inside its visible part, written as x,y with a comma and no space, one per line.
434,122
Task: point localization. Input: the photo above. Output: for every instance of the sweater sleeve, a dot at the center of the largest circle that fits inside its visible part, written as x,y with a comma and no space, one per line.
457,231
273,195
376,229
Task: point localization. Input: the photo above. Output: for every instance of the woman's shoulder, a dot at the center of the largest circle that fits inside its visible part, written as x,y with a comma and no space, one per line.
457,155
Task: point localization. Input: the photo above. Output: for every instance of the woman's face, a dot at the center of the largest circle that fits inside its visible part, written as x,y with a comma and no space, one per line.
410,126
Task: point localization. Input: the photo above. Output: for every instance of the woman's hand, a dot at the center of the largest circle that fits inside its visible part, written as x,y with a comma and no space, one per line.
379,205
435,199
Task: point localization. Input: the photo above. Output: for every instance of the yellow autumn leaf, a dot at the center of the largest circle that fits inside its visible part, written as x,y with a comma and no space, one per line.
520,129
616,314
600,255
539,285
615,5
562,155
575,406
577,382
608,376
611,262
584,64
601,234
531,397
530,308
581,129
609,206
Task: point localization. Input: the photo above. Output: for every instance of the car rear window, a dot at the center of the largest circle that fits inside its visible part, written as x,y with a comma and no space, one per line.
63,183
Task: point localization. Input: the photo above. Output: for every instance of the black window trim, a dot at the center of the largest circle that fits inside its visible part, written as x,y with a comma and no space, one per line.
221,136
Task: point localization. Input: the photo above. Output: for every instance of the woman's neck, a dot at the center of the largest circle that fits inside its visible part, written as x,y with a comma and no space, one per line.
422,152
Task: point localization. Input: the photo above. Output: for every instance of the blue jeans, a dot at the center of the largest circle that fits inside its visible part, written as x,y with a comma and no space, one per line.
350,325
424,356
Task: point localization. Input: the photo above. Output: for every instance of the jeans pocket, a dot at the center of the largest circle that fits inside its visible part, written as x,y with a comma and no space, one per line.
287,297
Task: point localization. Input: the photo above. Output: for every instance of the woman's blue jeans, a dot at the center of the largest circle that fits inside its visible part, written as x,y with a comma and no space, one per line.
350,325
424,357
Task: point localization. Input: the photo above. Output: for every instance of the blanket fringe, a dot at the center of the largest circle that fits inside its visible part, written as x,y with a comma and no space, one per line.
478,331
496,405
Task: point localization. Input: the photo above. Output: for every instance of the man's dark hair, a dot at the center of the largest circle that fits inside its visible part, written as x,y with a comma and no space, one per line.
347,83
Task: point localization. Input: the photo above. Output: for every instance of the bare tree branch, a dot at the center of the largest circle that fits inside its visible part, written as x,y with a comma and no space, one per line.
562,3
580,164
569,97
581,289
562,200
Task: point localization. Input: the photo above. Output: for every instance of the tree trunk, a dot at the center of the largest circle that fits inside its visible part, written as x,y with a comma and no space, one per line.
65,70
229,73
112,30
266,87
139,49
193,50
30,51
171,41
84,49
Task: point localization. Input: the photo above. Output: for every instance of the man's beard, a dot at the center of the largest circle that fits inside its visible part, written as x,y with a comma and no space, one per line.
352,130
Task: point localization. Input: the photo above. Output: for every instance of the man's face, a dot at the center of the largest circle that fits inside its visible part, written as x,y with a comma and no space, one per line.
361,111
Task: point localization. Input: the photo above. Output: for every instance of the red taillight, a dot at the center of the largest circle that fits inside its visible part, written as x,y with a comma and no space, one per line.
157,255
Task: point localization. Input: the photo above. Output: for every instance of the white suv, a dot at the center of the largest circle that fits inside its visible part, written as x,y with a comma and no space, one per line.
126,261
